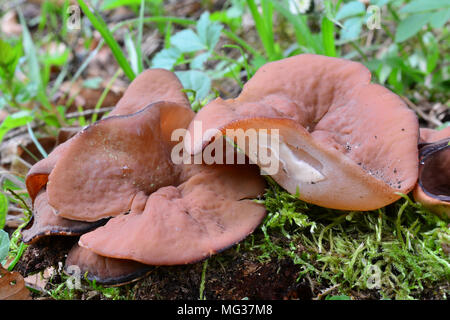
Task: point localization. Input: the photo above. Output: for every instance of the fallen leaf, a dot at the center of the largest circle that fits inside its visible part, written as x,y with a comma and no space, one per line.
12,286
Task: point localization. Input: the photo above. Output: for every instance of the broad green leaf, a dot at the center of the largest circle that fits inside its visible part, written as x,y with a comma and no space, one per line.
197,81
351,9
208,31
3,210
352,28
340,297
439,18
379,3
4,245
199,60
424,5
112,4
92,83
27,92
187,41
411,25
15,120
384,72
328,37
9,57
166,58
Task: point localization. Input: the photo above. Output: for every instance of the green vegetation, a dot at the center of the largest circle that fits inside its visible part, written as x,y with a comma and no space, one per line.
396,251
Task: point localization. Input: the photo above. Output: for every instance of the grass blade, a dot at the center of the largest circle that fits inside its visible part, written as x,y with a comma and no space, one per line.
302,31
261,27
101,27
139,38
328,37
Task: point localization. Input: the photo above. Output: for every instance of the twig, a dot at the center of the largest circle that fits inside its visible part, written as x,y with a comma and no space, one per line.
421,113
87,112
326,291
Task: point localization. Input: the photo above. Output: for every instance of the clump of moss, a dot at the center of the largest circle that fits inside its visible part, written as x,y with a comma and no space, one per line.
396,251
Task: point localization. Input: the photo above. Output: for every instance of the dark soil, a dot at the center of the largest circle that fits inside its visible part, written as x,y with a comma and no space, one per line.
229,275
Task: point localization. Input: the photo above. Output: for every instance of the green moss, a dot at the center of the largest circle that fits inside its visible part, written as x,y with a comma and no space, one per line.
396,250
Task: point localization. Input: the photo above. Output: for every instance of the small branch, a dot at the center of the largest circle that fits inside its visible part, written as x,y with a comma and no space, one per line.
421,113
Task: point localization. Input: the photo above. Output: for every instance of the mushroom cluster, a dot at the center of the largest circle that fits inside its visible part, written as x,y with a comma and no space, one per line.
343,143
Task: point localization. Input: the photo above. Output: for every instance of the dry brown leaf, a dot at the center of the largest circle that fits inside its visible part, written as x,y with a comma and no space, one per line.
9,24
12,286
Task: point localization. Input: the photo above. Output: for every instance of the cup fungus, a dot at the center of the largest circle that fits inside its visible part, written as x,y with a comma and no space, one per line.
121,167
104,270
45,222
433,187
207,211
344,143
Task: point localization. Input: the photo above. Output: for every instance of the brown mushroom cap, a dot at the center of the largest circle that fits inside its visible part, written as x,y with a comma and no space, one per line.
12,286
358,141
105,271
45,222
109,162
433,187
207,212
151,86
37,176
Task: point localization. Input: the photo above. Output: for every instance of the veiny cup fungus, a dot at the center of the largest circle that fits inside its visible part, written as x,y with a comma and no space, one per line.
121,167
339,140
106,271
343,142
45,222
433,187
207,211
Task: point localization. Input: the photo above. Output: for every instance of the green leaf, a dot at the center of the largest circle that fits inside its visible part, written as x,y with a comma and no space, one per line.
424,5
197,81
187,41
166,58
439,18
112,4
354,8
3,210
92,83
328,37
4,245
15,120
9,57
411,25
199,60
352,28
379,3
340,297
208,31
